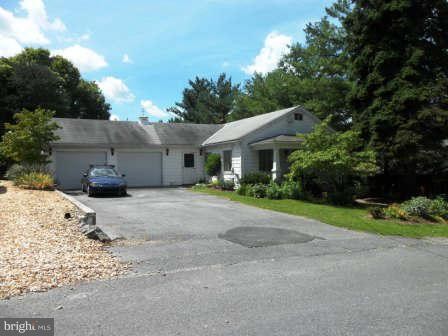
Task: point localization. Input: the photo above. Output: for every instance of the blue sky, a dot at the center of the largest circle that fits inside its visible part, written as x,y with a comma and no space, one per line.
142,53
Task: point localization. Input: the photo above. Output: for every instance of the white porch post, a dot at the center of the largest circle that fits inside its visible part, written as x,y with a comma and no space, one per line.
276,170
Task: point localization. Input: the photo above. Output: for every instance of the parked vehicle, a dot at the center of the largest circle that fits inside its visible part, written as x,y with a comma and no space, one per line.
103,179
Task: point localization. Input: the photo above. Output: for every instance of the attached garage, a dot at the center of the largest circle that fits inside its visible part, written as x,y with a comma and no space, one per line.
70,166
142,169
149,154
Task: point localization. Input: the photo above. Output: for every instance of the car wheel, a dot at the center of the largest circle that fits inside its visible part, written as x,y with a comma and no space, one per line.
89,191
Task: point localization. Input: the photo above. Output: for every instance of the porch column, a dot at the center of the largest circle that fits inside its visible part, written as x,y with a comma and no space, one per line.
276,169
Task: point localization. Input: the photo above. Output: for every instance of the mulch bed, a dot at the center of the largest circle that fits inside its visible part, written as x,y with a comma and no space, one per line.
41,246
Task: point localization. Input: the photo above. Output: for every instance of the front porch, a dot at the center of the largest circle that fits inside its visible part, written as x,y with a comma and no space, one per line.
272,154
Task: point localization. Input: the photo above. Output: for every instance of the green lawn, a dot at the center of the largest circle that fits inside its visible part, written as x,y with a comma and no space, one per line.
348,217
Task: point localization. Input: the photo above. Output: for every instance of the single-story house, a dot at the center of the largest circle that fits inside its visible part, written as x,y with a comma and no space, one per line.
167,154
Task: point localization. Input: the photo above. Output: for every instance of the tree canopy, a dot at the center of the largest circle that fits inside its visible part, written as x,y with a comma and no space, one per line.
398,51
34,79
28,141
206,101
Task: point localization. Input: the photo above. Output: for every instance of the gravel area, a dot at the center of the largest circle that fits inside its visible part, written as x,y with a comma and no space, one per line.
41,249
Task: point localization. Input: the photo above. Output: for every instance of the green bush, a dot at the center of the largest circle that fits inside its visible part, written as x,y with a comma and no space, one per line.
417,206
439,207
213,164
16,170
395,211
227,185
292,190
256,178
274,191
377,212
256,190
35,180
242,190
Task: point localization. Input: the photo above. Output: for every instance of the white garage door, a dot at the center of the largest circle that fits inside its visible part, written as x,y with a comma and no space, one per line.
141,169
71,165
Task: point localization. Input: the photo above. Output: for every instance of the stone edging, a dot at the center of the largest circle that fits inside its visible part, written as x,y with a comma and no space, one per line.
87,220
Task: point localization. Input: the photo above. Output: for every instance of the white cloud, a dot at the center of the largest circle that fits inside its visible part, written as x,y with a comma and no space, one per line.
114,89
126,59
9,46
29,29
152,109
84,58
275,46
37,13
114,117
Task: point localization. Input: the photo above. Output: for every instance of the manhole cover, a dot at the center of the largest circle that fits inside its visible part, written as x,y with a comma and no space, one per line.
251,236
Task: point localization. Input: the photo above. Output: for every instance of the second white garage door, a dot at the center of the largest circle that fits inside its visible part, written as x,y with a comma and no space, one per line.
141,169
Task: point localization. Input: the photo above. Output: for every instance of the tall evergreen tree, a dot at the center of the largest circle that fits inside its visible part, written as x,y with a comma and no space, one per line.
399,56
206,101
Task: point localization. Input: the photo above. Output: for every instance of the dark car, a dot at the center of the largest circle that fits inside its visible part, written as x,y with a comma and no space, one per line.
103,179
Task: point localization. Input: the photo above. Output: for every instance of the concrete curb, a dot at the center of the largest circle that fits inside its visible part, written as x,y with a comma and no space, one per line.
87,220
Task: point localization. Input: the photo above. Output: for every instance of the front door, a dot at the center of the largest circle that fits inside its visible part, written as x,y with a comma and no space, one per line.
189,168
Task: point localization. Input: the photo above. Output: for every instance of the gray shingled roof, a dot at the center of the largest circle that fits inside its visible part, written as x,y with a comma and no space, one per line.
133,134
181,134
237,129
104,132
130,133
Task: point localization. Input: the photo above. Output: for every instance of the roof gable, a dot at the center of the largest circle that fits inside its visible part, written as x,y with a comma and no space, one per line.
238,129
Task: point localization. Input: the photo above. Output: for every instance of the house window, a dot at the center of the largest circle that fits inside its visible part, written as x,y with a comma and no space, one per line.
298,116
265,160
227,158
189,160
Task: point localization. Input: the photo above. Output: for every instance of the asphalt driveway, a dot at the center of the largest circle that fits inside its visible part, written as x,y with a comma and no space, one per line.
194,274
179,214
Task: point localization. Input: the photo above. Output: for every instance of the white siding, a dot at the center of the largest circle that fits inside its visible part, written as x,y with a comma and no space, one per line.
285,125
173,165
236,159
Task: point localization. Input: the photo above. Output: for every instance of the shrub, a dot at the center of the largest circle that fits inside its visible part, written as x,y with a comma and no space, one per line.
292,190
377,212
394,211
439,208
417,206
16,170
242,190
256,190
35,180
213,164
274,191
227,185
256,178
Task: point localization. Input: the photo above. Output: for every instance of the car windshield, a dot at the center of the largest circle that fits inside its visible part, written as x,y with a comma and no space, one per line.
103,171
